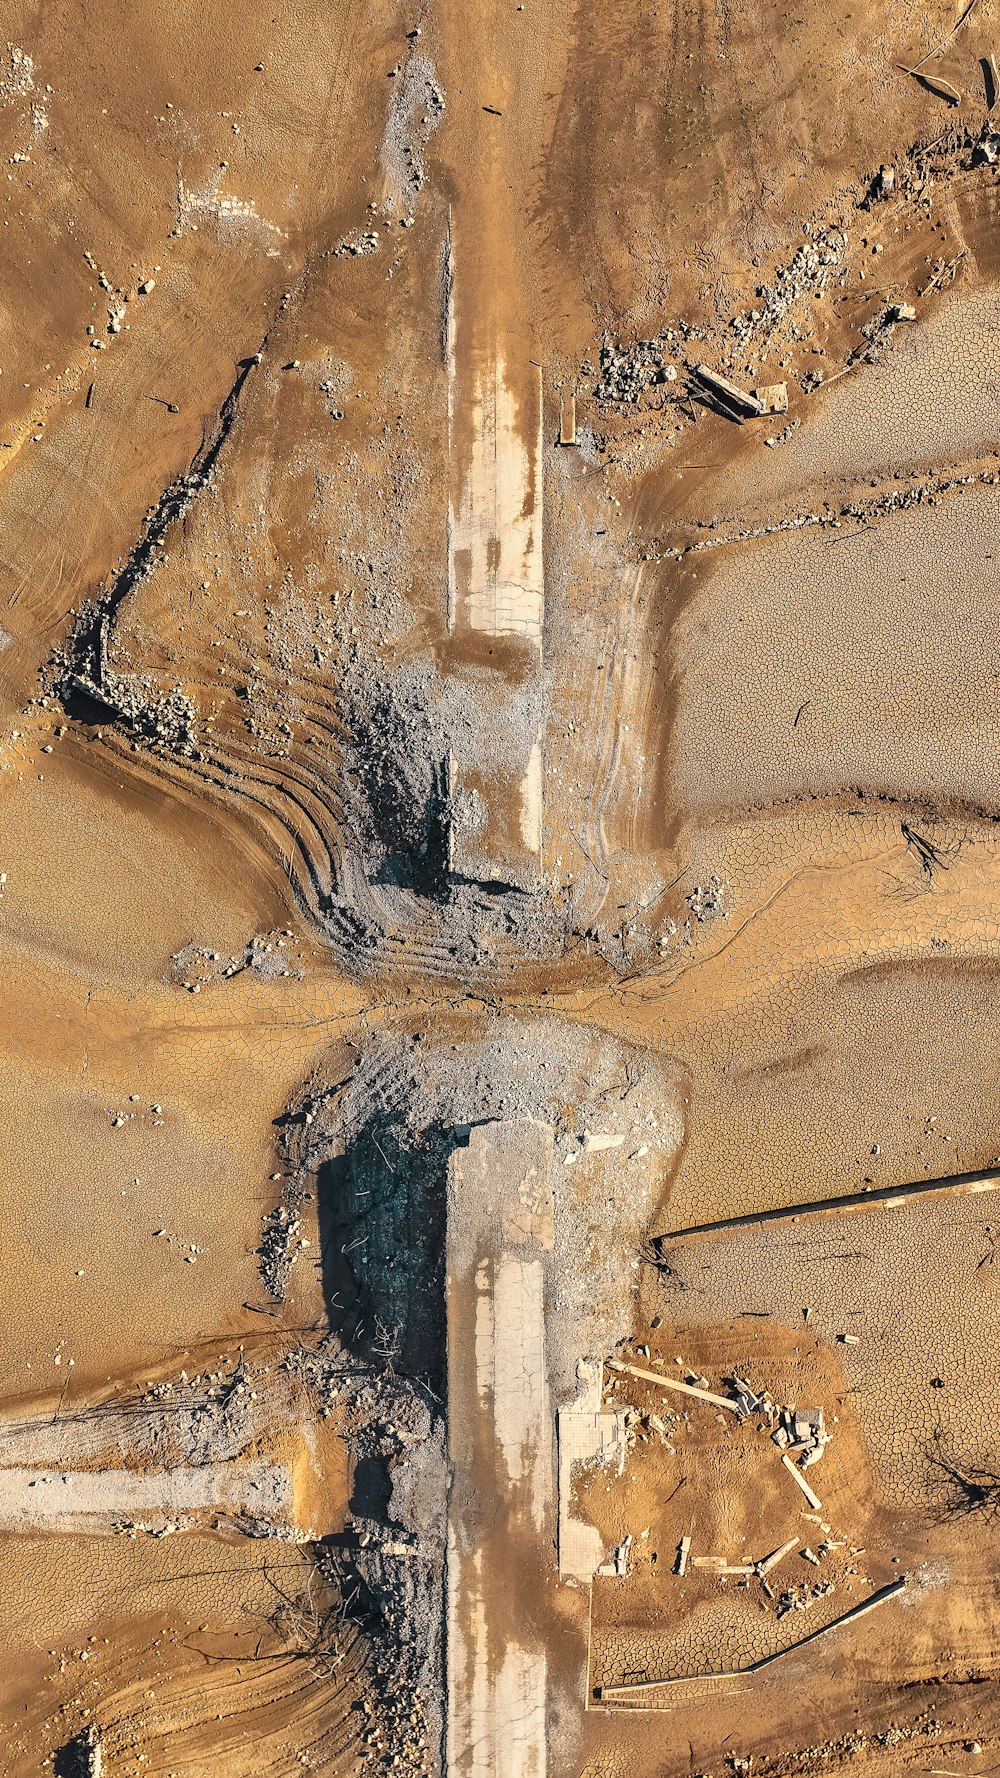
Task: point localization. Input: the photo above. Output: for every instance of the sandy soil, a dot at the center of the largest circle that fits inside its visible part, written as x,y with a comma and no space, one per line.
378,774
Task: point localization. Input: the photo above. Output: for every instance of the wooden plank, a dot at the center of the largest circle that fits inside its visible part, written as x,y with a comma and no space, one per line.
813,1499
777,1556
633,1370
957,1184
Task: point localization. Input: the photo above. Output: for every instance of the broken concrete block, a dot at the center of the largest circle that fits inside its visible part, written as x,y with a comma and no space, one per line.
567,420
731,393
773,398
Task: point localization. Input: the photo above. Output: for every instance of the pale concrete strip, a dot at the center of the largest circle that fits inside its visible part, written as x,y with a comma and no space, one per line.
520,1387
98,1500
496,1694
584,1439
519,1704
485,1364
500,1444
495,566
531,801
470,1693
495,574
496,1720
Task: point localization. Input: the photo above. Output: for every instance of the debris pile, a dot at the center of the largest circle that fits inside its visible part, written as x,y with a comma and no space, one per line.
416,109
705,899
804,1598
281,1244
391,1560
17,72
82,1757
882,186
877,332
782,437
619,1564
163,719
627,372
987,150
264,955
809,274
798,1431
396,769
356,245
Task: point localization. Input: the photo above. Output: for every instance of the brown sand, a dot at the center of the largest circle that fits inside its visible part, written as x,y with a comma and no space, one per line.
695,694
